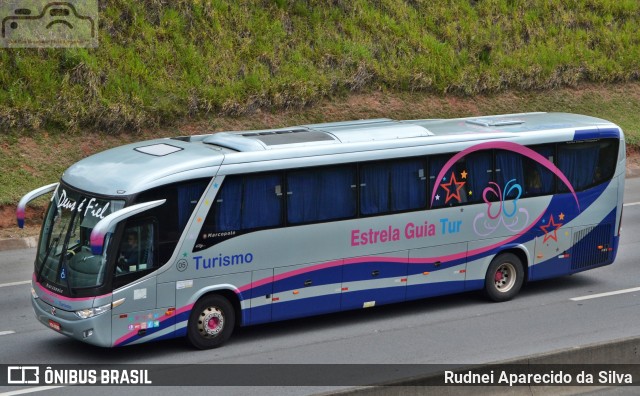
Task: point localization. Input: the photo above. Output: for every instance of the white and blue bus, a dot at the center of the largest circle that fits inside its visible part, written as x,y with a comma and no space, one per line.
192,236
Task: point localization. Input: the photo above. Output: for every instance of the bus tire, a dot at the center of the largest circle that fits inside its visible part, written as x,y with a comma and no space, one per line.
504,277
211,322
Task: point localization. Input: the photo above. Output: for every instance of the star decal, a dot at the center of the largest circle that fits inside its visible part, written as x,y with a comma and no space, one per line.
437,197
464,174
470,193
561,217
449,187
551,234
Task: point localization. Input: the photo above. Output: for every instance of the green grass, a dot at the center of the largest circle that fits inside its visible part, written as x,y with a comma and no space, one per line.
206,65
160,62
31,160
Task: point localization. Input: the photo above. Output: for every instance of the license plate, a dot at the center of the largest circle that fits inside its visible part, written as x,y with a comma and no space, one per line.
54,325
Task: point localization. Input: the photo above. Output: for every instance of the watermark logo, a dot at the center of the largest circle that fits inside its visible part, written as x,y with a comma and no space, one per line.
48,24
19,375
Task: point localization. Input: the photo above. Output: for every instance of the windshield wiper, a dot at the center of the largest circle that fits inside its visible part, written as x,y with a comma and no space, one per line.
53,245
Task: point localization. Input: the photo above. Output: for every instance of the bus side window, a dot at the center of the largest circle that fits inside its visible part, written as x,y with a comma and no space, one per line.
321,194
539,180
136,251
607,161
510,174
436,163
392,186
478,173
464,181
587,164
246,202
261,204
172,216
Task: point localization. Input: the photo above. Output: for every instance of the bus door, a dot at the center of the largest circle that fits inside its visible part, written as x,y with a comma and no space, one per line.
437,270
137,314
307,289
374,280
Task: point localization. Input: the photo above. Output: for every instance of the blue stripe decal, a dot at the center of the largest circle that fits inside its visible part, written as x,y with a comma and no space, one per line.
306,307
587,134
365,270
415,292
325,276
261,314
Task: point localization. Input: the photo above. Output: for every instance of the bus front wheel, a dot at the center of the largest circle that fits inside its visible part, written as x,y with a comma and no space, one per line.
504,277
211,322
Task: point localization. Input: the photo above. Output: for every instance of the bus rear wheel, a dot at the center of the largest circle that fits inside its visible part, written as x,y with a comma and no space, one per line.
211,322
504,277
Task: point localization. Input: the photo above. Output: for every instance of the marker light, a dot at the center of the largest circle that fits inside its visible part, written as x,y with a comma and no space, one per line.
33,293
91,312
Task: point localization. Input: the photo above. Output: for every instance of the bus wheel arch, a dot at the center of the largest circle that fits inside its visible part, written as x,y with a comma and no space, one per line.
212,319
505,275
521,253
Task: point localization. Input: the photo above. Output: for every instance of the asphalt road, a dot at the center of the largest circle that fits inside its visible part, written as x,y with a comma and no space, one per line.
459,329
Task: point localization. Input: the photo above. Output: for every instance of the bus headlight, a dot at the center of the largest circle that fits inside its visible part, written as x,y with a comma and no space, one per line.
91,312
33,293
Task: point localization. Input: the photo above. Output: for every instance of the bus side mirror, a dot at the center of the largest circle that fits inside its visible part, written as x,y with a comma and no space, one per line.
22,205
103,226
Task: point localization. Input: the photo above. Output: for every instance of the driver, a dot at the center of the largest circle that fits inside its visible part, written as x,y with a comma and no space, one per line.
129,254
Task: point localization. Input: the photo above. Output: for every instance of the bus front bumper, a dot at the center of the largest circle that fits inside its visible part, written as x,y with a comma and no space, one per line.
95,330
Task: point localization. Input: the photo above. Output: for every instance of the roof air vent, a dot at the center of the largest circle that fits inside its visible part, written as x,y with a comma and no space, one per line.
494,122
158,150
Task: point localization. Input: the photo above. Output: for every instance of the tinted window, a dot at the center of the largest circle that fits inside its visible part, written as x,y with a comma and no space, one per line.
436,163
172,216
510,174
479,168
586,164
463,182
136,251
392,186
539,180
247,202
520,176
321,194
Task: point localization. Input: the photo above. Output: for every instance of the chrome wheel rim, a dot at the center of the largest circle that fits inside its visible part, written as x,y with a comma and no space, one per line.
505,277
210,322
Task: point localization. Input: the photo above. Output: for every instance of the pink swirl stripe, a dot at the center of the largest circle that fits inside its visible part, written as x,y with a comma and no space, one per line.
509,146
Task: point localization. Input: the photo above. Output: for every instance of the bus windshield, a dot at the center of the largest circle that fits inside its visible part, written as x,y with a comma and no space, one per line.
64,253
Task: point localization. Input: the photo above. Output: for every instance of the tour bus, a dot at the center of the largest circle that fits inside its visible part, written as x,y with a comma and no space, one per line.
194,235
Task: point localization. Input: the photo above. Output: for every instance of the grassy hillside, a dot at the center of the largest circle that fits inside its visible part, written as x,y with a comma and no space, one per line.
160,61
33,160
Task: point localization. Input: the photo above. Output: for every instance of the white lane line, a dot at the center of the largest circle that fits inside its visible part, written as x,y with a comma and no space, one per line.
15,283
607,294
631,204
31,390
7,332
